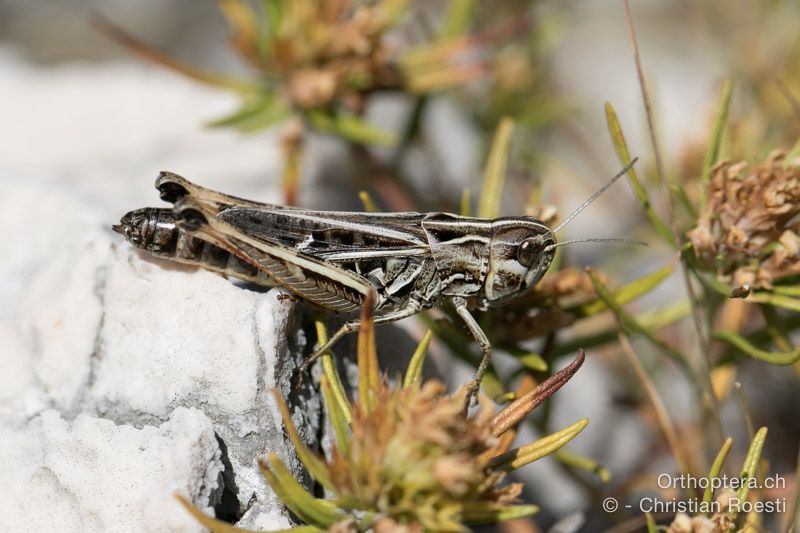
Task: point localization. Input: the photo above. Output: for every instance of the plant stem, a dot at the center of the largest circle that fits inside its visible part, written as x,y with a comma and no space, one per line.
709,401
659,409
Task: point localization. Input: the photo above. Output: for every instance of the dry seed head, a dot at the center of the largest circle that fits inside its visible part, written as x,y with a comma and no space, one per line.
332,50
415,459
748,232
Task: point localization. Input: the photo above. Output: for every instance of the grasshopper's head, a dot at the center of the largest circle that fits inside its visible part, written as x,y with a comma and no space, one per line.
150,228
523,248
520,252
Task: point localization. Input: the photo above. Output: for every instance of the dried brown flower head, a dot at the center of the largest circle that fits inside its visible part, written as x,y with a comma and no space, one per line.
329,51
417,460
409,458
748,231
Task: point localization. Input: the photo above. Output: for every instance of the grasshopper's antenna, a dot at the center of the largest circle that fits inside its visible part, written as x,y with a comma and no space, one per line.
613,241
593,197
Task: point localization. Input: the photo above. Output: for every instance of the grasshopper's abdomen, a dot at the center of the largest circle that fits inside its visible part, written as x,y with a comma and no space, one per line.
155,230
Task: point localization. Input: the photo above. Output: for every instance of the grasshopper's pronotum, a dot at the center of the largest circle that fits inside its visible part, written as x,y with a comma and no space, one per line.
333,259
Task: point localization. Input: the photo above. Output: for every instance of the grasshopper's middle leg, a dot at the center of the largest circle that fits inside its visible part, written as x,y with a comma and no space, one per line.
480,337
411,308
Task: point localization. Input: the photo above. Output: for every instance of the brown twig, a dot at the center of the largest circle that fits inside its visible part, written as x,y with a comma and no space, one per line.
708,397
746,412
522,406
150,53
659,409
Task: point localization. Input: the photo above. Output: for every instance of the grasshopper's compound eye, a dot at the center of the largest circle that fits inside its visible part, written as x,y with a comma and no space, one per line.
528,251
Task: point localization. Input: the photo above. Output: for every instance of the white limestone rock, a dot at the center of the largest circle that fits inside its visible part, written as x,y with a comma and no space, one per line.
98,335
173,335
102,335
93,475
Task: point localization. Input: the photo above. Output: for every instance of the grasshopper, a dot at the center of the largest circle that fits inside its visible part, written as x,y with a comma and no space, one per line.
412,261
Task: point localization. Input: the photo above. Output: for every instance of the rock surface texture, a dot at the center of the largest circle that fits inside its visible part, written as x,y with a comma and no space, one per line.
125,378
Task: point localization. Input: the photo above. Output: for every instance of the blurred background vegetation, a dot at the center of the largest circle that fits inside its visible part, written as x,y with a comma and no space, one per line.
526,107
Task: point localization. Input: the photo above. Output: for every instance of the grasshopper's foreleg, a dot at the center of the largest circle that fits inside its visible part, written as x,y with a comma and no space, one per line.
411,308
480,337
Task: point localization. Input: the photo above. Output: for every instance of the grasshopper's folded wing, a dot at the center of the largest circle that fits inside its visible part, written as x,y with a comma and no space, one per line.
319,282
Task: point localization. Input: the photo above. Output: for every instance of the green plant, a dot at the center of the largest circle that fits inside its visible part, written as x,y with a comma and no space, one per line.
723,513
408,455
315,64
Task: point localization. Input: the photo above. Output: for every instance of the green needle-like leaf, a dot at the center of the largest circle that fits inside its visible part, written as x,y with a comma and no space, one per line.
584,463
618,138
477,514
529,453
339,418
259,112
348,126
775,358
465,208
787,290
315,466
778,300
369,204
311,510
495,175
716,468
329,372
651,320
631,291
714,144
414,372
651,523
530,360
457,18
750,465
273,12
631,324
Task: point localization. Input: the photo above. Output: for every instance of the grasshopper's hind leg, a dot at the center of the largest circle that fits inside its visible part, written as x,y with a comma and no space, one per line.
480,337
411,308
173,187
